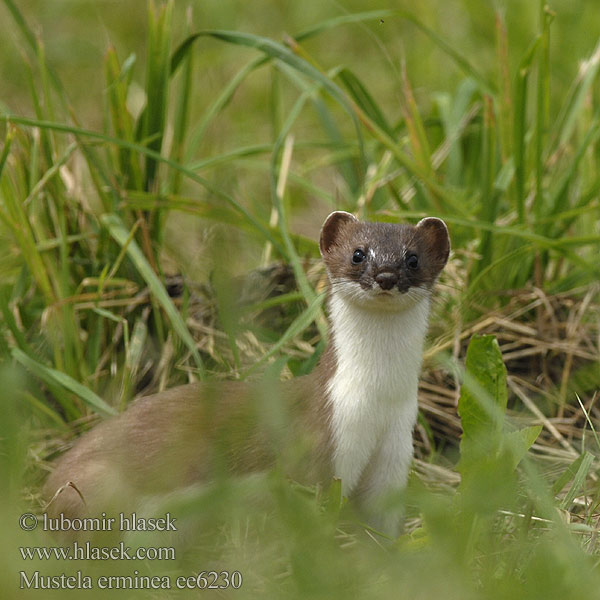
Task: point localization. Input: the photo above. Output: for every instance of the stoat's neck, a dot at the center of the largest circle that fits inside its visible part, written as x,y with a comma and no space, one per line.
380,351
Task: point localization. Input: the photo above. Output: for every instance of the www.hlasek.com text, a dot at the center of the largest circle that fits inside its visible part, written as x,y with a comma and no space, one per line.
87,551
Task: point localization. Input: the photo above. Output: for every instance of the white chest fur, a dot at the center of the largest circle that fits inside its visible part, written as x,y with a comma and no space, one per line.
374,392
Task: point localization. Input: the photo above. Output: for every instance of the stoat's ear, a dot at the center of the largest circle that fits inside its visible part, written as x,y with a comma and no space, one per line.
437,239
329,232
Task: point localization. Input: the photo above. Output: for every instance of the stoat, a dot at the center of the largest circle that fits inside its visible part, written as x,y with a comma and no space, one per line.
351,418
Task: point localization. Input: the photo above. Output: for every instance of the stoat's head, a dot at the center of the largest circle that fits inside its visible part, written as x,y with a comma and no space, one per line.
383,265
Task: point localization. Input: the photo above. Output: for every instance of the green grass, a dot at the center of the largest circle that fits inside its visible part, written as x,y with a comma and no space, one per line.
137,196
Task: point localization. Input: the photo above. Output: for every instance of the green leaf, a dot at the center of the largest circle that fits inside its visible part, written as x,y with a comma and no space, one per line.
157,82
518,442
363,98
483,395
520,127
566,121
567,475
122,122
52,376
487,451
481,407
10,134
374,15
579,480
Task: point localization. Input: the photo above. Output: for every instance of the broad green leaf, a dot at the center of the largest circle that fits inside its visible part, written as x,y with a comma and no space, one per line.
518,442
487,450
483,395
481,407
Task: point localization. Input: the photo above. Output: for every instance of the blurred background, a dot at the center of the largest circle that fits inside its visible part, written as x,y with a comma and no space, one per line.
76,34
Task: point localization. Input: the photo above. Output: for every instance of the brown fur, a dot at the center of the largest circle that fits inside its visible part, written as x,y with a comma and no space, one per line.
188,434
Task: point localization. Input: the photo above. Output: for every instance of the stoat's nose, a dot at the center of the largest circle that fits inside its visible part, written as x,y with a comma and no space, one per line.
386,280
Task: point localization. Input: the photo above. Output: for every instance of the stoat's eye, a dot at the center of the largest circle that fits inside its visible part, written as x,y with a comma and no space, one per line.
358,256
412,261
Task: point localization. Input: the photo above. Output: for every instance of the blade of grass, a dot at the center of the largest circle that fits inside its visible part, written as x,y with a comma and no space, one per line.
416,130
279,51
360,94
565,122
323,26
567,475
133,357
300,323
504,97
33,42
490,197
559,196
509,230
157,83
117,230
122,122
458,58
21,229
578,481
543,104
8,140
11,323
277,180
259,307
181,117
220,102
346,165
42,408
206,210
52,376
520,127
231,156
49,141
589,421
